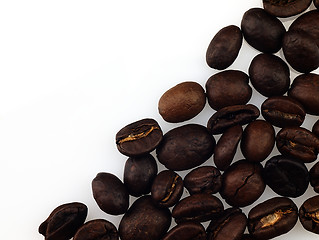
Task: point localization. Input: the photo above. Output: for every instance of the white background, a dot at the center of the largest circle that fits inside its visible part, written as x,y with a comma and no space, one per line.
75,72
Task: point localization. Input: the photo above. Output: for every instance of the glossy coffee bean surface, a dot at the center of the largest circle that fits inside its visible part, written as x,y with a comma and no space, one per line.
309,214
283,8
186,231
314,177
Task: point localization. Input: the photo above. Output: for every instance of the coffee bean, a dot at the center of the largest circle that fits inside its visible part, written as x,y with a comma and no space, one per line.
315,128
167,188
298,142
199,207
186,231
316,3
144,221
283,111
203,179
314,177
228,88
262,31
185,147
64,221
97,229
242,183
286,176
182,102
224,47
284,8
272,218
139,137
110,193
309,214
269,75
231,116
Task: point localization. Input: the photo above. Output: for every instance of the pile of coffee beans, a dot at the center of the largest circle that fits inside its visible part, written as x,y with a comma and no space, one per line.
240,182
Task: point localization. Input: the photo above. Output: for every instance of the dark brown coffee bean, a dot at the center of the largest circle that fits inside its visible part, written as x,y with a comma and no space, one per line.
64,221
139,173
269,75
224,47
309,214
262,31
283,111
242,183
314,177
203,179
315,128
298,142
167,188
139,137
231,116
226,147
144,221
230,225
110,193
185,147
305,89
272,218
182,102
316,3
300,51
285,8
258,140
199,207
228,88
97,229
186,231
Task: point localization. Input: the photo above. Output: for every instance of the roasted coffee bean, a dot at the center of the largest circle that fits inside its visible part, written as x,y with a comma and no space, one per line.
230,116
269,75
64,221
139,137
242,183
224,47
298,142
315,128
226,147
203,179
97,229
286,8
228,88
314,177
272,218
182,102
316,3
309,214
262,31
286,176
185,147
167,188
144,221
283,111
110,193
199,207
257,141
139,173
230,225
186,231
305,89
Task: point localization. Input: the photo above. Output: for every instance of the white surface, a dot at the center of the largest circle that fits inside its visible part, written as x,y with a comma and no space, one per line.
74,72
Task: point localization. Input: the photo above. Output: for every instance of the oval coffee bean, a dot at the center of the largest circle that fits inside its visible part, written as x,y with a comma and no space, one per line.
227,88
309,214
182,102
315,128
286,176
139,137
110,193
226,147
203,179
314,177
185,147
269,75
144,221
242,183
231,116
199,207
230,225
298,142
186,231
283,111
97,229
305,89
284,8
64,221
272,218
167,188
257,141
262,31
